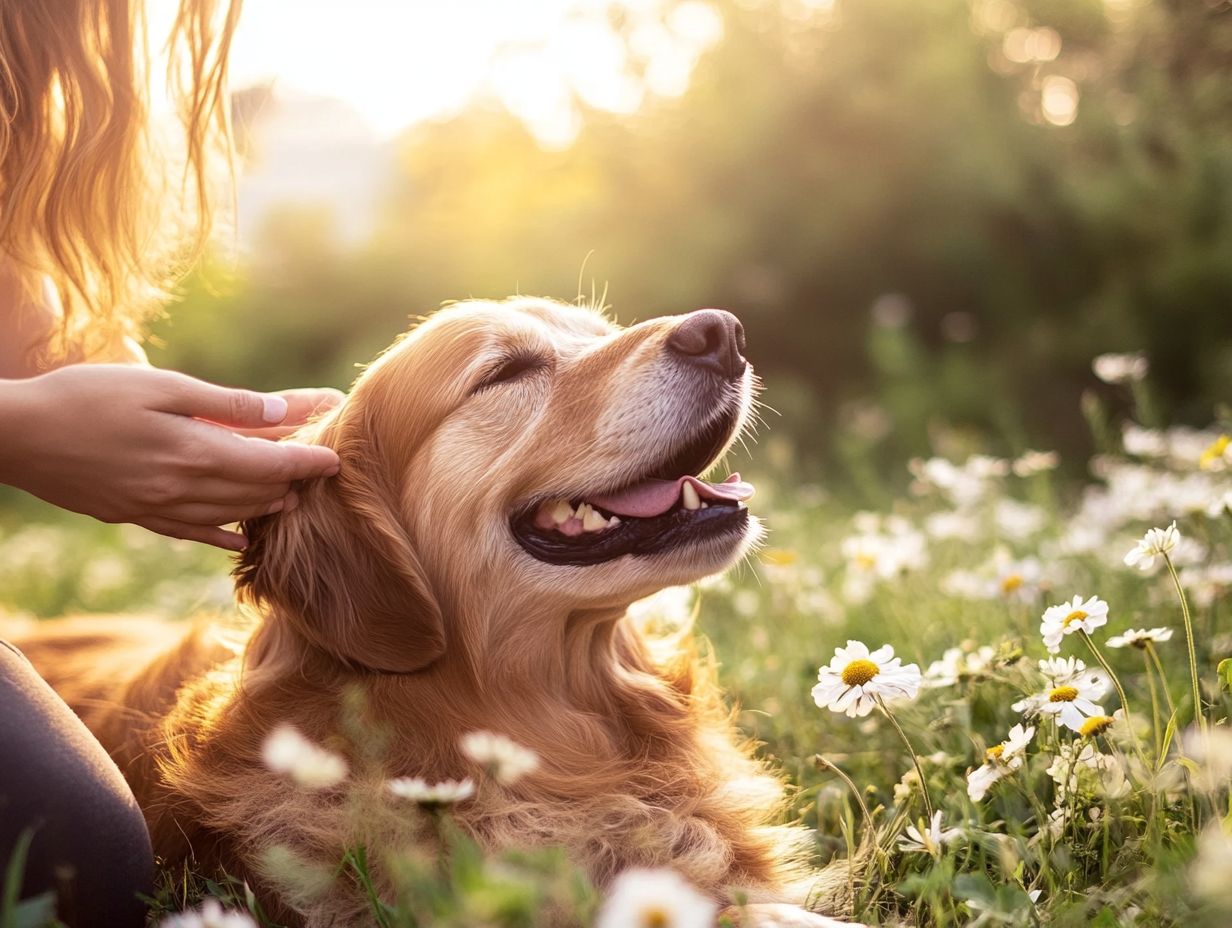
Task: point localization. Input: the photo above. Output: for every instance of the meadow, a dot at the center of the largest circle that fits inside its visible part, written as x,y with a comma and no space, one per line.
1034,758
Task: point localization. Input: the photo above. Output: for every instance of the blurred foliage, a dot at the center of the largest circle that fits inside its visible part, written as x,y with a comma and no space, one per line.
920,231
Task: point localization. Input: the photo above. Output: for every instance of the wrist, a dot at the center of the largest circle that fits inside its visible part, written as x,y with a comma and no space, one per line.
18,421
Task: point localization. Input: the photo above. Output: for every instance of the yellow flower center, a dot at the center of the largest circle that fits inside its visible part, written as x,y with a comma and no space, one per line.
866,561
1095,725
1076,616
1214,452
994,752
859,672
1011,583
1063,694
655,918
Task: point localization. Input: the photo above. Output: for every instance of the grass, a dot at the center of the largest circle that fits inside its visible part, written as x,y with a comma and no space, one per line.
969,558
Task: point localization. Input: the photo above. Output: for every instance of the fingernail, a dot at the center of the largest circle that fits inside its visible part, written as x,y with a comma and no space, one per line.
275,506
290,501
275,409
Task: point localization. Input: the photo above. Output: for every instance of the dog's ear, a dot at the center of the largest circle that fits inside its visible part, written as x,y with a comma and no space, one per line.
342,570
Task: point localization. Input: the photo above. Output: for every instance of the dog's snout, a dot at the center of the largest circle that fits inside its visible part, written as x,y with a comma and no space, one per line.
713,339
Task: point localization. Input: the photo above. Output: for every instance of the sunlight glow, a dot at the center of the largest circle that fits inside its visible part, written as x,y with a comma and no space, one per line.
397,64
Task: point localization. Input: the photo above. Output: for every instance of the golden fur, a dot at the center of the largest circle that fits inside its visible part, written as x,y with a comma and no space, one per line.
398,580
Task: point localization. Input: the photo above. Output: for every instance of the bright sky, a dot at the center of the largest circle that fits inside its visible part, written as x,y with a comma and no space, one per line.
401,61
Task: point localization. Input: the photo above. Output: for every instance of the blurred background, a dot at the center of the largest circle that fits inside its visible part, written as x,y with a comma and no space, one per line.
930,214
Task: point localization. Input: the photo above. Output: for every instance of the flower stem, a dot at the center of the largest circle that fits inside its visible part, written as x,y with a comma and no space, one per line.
1157,731
919,772
1163,679
1199,717
1116,681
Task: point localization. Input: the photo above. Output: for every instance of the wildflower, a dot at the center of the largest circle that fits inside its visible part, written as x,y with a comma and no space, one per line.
287,751
1018,521
1016,579
1220,505
642,898
1121,368
1060,670
1217,455
1035,462
1096,725
1139,637
506,760
421,791
1211,752
1157,542
1073,702
1067,618
1210,869
929,839
958,664
854,678
1029,706
211,914
1080,766
1000,760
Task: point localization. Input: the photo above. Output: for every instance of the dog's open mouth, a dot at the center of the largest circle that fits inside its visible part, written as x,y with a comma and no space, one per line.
668,507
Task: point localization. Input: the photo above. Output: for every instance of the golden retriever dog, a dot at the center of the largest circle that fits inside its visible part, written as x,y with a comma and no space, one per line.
514,475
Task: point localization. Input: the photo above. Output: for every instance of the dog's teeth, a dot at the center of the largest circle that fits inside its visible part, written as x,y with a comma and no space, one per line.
562,512
593,521
705,505
613,521
740,504
690,498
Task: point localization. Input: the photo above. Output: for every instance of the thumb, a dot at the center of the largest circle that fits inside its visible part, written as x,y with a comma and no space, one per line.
224,405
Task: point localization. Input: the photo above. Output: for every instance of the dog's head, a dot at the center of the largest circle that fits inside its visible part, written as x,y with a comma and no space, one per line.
523,458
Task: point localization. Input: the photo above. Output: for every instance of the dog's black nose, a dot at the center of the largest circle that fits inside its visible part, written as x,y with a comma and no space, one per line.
713,339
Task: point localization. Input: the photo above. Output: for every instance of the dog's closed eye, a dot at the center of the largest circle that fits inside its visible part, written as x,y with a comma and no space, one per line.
510,368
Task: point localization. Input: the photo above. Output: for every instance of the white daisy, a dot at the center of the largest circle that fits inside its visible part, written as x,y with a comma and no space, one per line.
1121,368
1000,760
1060,670
421,791
641,898
211,914
1139,637
959,664
1067,618
506,760
1035,462
1080,766
1073,702
929,839
1155,543
854,678
287,751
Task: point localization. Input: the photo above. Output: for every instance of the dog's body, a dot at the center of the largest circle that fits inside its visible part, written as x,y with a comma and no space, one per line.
427,592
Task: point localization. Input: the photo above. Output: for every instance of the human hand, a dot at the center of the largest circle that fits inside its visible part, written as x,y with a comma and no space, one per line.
154,448
303,405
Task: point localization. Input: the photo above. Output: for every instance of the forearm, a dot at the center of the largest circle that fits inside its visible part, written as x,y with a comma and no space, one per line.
17,415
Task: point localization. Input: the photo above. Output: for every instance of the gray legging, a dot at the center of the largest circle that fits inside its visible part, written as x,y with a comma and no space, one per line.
90,842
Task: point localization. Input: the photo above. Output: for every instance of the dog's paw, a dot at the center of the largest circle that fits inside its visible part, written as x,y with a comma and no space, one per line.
776,915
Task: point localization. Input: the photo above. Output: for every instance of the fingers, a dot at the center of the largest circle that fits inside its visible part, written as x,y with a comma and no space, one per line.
206,534
234,458
306,402
210,514
230,493
187,396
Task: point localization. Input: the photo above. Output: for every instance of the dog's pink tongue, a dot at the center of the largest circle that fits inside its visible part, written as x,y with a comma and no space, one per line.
655,497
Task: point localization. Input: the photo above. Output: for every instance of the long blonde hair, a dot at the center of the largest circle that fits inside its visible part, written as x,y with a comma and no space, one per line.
91,197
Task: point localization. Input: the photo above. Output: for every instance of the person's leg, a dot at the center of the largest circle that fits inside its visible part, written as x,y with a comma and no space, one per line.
90,842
